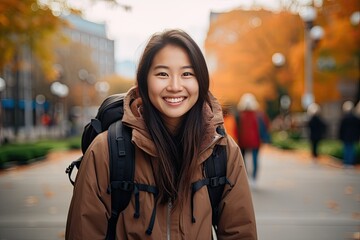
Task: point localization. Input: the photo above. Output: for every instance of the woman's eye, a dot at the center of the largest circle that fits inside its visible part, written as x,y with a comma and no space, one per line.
188,74
161,74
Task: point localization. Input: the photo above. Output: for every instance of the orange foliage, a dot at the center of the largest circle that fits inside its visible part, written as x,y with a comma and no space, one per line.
26,23
240,45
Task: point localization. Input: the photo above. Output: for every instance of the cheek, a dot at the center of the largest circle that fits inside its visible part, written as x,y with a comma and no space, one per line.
154,88
193,88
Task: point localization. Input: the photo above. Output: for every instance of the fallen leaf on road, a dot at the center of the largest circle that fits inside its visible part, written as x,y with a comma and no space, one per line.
349,190
356,235
47,192
352,236
31,201
356,215
61,235
53,210
332,205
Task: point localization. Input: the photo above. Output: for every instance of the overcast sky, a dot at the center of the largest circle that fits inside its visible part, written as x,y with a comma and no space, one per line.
131,29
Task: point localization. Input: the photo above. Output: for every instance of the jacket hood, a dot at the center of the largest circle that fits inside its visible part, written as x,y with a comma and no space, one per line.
141,136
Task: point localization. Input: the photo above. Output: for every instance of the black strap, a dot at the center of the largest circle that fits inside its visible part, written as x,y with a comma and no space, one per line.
70,168
122,164
215,171
150,189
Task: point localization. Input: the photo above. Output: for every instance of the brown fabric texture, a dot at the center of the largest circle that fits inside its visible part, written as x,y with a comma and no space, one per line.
90,206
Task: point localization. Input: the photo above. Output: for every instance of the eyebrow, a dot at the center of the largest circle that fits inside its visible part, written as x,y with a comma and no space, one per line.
166,67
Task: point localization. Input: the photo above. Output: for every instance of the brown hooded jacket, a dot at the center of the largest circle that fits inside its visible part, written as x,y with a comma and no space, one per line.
90,206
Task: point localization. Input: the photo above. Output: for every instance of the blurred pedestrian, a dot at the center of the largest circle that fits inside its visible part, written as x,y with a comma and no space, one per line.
349,133
176,123
45,120
357,110
250,124
316,128
230,124
264,126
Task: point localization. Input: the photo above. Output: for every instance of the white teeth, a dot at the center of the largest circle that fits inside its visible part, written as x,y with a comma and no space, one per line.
174,100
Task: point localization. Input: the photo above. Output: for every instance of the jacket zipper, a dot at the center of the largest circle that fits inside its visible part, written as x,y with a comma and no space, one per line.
168,219
168,236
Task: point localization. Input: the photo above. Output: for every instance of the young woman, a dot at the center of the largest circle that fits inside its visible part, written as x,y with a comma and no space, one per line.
174,119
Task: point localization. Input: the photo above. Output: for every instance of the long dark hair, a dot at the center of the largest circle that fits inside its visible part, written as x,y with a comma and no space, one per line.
177,155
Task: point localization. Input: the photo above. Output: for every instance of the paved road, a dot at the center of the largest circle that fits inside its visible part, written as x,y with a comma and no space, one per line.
294,199
35,199
298,200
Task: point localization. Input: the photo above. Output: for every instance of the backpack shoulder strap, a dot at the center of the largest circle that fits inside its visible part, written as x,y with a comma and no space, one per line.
215,170
215,180
122,167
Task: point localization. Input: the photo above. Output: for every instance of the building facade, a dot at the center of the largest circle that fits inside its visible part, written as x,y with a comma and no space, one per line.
94,36
22,99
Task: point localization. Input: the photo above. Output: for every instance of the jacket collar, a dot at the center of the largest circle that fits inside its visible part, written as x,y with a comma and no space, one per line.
140,135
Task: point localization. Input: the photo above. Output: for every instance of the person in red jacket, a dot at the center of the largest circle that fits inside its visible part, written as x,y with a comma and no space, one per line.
250,122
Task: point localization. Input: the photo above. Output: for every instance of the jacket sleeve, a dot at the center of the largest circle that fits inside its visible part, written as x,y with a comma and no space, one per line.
90,204
237,217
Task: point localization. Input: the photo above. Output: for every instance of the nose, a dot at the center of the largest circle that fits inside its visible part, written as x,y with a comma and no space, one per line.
175,84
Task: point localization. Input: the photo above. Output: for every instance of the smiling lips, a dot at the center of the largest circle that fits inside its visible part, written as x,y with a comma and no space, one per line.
174,100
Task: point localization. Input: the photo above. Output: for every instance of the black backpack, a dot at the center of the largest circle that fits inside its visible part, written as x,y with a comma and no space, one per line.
122,164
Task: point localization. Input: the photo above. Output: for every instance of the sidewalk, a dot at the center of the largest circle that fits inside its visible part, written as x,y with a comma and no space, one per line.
35,199
294,199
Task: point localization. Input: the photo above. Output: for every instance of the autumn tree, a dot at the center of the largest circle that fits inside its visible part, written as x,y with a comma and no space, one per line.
338,54
240,44
27,23
239,47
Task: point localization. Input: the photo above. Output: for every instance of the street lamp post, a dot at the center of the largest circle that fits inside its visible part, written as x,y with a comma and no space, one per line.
2,88
102,89
278,60
61,91
355,18
312,35
87,79
83,75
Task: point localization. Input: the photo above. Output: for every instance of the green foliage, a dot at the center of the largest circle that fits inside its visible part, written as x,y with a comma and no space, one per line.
292,141
335,149
74,143
288,140
332,148
24,153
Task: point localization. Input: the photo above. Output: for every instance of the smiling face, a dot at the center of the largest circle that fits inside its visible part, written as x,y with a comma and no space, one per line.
172,85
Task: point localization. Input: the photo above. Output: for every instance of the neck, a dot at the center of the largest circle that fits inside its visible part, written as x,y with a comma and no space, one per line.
173,125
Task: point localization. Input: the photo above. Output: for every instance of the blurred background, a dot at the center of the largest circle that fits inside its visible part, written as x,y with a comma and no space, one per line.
59,59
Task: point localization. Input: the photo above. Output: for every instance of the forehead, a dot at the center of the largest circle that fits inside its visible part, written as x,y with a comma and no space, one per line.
171,54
